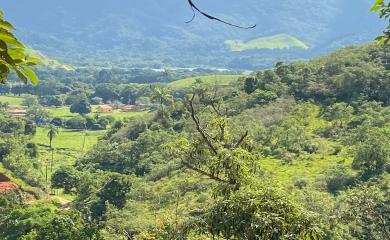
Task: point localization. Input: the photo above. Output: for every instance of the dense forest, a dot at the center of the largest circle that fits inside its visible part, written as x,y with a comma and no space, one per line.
300,150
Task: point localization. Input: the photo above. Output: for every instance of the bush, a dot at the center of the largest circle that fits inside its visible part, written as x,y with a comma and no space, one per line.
32,150
337,179
301,183
58,122
66,178
77,122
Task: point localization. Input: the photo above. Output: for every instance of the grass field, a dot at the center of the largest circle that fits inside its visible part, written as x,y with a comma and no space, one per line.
63,112
69,139
279,41
207,81
13,101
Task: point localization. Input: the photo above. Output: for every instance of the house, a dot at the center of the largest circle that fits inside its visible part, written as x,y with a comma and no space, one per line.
16,112
104,108
6,185
130,108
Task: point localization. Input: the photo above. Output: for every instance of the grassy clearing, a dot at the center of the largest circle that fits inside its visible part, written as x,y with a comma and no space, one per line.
210,80
63,112
13,101
69,139
68,147
308,168
279,41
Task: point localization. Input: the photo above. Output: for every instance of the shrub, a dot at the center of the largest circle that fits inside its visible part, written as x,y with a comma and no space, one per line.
77,122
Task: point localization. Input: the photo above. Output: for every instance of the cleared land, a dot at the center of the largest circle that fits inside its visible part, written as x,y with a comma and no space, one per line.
13,101
210,80
279,41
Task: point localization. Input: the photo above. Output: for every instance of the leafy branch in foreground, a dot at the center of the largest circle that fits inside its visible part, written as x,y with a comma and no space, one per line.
13,56
244,206
383,10
215,152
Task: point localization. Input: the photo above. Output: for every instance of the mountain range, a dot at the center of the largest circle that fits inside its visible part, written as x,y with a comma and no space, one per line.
153,33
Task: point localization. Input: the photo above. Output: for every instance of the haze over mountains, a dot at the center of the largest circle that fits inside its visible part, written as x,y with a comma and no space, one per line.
153,33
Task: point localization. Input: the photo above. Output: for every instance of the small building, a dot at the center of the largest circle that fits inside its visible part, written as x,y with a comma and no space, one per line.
104,108
16,112
130,108
6,185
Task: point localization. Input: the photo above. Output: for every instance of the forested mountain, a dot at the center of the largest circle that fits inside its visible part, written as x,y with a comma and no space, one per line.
154,33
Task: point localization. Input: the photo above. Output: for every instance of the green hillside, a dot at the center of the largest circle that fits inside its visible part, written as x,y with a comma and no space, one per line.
279,41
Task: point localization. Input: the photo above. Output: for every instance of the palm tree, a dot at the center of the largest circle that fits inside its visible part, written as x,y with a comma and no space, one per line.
162,96
51,134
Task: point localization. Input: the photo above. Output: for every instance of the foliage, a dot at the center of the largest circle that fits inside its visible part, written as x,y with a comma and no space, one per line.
78,122
66,178
13,56
383,9
81,106
372,154
258,214
365,210
38,114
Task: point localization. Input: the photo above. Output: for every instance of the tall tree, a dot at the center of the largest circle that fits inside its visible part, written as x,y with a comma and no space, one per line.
162,97
52,133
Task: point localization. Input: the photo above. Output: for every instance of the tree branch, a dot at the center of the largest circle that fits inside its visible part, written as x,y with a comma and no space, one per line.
242,139
211,176
199,128
195,9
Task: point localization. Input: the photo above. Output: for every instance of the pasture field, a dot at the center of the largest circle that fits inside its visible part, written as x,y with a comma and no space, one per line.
207,81
279,41
69,139
13,101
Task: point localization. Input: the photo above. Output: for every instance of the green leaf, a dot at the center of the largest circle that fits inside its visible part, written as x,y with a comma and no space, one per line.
6,25
17,53
3,45
31,75
9,38
21,75
377,5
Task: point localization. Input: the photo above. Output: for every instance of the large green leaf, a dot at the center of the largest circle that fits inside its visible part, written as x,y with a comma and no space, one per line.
17,53
6,25
21,75
31,75
3,45
10,39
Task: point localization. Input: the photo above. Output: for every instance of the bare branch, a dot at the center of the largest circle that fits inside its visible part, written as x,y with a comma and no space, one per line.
209,175
242,139
199,128
196,9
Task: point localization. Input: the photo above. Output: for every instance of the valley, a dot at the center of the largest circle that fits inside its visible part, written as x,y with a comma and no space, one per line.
125,121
